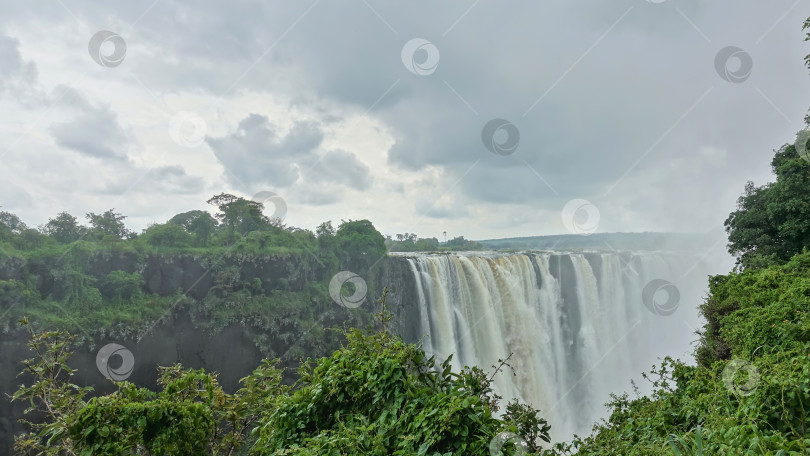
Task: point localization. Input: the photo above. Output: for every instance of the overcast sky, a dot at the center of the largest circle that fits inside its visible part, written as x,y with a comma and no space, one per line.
621,115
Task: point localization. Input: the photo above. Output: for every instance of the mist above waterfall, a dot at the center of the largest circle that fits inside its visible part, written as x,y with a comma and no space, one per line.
578,326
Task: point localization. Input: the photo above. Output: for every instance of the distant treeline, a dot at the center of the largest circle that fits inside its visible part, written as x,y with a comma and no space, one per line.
409,242
238,221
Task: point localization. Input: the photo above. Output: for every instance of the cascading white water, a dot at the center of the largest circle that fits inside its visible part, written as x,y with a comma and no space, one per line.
575,323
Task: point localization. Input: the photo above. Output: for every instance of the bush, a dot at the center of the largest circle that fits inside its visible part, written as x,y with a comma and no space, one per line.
168,236
118,285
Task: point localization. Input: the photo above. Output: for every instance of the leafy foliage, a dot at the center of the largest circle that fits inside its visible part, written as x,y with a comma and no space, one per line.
167,236
51,394
409,242
376,396
64,228
108,224
772,222
359,245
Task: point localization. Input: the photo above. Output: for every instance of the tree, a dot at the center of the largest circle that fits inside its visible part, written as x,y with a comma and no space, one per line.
426,245
238,214
203,227
51,395
30,239
772,222
199,223
325,229
108,223
359,245
167,235
64,228
325,233
10,223
459,243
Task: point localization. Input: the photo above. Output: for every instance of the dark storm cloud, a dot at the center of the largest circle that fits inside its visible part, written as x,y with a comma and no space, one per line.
18,77
93,130
172,179
257,153
341,167
12,65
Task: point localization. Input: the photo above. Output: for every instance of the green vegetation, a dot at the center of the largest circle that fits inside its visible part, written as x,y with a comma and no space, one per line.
374,396
237,267
409,242
772,222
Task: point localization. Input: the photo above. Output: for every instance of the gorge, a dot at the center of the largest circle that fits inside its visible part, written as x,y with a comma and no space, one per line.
578,325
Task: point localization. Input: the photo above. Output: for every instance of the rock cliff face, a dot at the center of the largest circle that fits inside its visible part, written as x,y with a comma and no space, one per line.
231,352
402,299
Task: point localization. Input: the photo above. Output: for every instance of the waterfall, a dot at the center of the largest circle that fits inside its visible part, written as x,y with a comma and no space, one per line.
575,324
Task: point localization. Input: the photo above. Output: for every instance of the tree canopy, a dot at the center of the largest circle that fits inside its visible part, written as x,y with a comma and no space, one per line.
772,222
